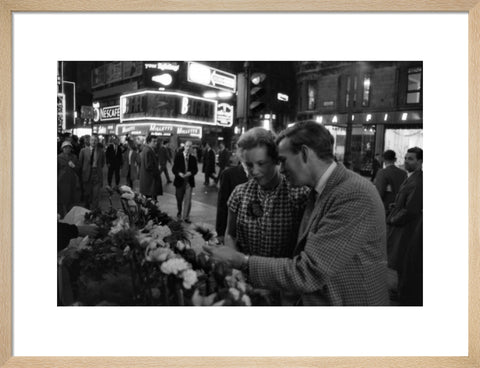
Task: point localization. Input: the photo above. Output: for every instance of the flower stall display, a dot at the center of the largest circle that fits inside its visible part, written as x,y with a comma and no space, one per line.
142,256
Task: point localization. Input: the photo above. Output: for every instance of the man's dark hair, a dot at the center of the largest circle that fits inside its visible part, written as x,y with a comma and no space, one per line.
150,137
259,137
311,134
418,152
389,155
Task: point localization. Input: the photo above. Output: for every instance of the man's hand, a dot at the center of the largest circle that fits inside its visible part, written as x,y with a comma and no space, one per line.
90,230
225,254
187,174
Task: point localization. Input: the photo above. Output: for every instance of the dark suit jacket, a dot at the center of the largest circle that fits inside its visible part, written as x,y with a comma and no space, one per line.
340,257
223,158
229,179
179,167
114,159
404,219
209,162
388,183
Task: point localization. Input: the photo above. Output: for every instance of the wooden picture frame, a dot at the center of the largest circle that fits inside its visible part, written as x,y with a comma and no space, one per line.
8,7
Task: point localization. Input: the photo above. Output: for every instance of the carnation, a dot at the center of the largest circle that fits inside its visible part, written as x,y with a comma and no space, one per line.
189,278
174,266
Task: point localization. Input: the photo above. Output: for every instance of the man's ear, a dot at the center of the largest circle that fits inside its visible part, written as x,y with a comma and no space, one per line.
304,152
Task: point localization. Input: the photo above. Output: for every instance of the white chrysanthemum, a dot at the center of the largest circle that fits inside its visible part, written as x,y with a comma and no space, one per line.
128,195
197,242
174,266
158,254
126,189
160,232
189,278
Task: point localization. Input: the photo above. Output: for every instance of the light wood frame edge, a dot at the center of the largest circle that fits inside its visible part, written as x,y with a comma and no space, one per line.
7,8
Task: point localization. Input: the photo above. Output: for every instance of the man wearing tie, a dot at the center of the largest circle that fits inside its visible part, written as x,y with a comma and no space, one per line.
114,161
340,255
184,168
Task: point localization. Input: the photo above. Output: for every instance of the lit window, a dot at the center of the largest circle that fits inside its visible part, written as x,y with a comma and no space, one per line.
414,85
311,92
366,90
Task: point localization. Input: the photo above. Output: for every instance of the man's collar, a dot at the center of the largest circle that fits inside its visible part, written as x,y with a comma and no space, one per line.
323,179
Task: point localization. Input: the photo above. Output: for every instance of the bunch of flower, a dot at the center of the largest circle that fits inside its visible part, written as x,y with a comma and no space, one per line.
157,260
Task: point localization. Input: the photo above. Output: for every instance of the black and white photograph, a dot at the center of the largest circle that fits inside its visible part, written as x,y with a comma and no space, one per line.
240,183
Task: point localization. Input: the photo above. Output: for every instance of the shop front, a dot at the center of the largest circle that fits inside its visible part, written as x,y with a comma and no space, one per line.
370,134
176,116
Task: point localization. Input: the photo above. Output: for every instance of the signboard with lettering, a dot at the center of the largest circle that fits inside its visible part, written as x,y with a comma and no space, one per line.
113,72
167,106
98,76
131,69
103,129
159,129
208,76
60,112
225,115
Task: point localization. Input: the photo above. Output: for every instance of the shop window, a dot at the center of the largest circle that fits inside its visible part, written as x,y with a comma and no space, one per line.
400,140
362,147
311,94
366,90
351,92
414,85
339,135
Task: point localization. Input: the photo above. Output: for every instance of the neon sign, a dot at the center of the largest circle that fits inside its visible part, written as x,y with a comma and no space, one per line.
225,115
208,76
167,106
159,129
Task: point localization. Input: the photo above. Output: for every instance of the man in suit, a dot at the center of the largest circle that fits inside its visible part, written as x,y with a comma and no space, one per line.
150,180
389,179
223,159
131,163
229,179
85,169
164,156
340,255
97,162
114,161
405,232
184,168
209,164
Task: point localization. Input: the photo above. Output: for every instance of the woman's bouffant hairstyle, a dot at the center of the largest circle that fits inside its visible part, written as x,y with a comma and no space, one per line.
259,137
311,134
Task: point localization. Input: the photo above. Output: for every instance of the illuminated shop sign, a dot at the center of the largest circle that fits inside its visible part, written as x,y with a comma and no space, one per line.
159,129
203,74
105,113
103,129
174,67
225,114
167,106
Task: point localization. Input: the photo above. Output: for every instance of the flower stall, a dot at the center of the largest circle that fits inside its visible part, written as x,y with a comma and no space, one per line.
143,257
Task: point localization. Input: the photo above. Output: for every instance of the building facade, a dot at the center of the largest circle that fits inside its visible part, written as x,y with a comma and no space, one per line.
368,107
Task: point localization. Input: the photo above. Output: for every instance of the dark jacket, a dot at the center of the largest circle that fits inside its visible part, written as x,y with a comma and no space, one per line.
179,167
223,158
114,158
388,183
404,219
150,181
229,179
209,162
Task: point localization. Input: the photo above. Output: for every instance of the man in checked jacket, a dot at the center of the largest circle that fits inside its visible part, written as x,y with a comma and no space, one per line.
340,257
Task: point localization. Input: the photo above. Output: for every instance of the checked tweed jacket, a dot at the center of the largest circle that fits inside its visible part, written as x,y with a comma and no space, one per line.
340,258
